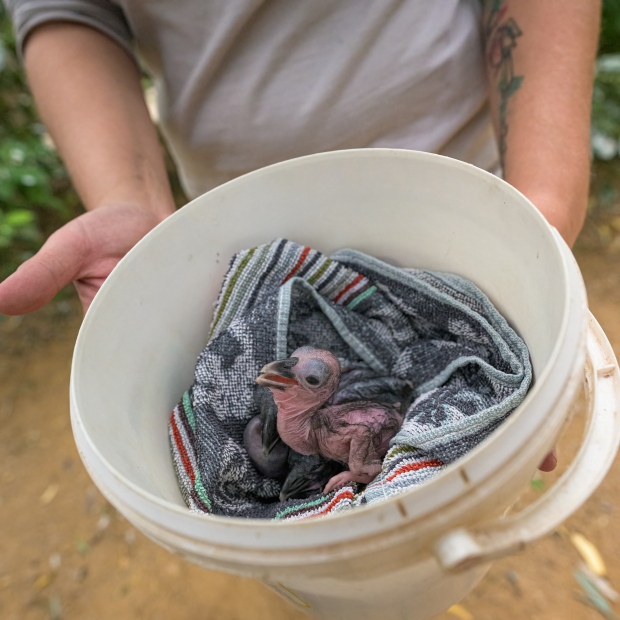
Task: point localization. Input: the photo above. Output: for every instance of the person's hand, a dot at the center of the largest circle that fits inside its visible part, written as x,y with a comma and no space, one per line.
84,252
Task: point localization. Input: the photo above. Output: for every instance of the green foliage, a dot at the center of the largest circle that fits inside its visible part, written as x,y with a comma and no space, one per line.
606,99
606,107
609,42
36,196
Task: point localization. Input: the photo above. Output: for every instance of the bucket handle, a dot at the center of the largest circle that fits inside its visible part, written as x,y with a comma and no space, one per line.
463,548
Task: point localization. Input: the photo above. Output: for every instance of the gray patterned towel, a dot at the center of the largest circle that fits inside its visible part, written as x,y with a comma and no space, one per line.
469,370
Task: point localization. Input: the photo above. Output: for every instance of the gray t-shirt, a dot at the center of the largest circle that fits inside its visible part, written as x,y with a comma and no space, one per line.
246,83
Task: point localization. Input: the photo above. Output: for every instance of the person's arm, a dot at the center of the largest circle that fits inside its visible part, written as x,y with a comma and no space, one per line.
88,92
540,59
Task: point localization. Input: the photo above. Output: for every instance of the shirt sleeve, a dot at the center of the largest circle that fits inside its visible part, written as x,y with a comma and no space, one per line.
103,15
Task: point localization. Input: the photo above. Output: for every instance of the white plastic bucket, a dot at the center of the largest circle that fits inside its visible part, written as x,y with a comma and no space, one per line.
408,557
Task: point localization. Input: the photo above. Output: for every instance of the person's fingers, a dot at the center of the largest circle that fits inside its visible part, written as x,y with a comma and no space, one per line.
87,289
83,251
550,461
37,280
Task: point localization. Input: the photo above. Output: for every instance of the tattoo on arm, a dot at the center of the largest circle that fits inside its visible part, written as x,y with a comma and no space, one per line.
500,35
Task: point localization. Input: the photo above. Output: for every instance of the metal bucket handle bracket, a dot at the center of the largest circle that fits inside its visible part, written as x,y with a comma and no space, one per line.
465,547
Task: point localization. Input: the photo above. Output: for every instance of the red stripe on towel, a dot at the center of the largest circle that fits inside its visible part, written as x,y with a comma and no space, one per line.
345,494
181,448
348,287
414,467
299,263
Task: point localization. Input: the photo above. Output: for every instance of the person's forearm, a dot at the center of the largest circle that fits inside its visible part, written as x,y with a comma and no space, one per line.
88,92
540,58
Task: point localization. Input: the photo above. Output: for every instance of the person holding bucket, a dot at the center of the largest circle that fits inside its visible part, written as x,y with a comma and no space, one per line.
246,84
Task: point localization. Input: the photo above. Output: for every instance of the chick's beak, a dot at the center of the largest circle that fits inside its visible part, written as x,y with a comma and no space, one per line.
278,374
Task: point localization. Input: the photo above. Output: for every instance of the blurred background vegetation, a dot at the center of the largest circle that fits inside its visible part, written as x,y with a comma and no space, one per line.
36,195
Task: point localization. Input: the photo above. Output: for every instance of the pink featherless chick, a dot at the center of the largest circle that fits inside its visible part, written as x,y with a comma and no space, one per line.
356,433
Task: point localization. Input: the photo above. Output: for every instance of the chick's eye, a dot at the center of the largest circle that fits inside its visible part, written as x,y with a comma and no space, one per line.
315,372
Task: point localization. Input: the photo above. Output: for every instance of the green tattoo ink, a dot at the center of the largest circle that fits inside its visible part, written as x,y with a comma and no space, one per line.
501,38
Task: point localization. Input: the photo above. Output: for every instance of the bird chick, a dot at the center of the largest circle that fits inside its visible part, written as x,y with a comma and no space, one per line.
303,476
355,433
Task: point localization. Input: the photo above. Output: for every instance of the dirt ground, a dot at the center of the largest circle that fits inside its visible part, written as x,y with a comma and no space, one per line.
65,553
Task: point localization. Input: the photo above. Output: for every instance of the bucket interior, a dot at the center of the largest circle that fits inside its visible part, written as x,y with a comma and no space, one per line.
138,345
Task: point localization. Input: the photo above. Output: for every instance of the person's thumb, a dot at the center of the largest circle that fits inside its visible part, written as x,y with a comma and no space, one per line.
37,280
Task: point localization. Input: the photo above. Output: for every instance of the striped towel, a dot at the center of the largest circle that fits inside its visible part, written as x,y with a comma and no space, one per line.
469,370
